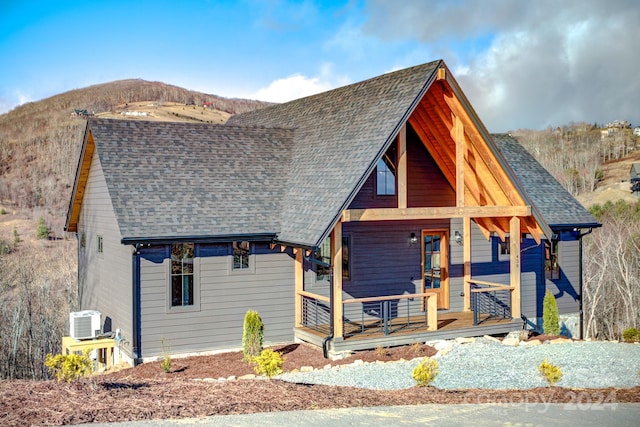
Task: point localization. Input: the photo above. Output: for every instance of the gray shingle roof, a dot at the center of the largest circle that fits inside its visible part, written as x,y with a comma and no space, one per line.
339,135
558,208
285,171
181,179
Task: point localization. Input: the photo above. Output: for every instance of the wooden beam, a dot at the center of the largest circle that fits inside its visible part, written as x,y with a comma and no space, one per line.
336,248
466,243
432,312
299,286
442,74
514,267
459,131
480,144
402,167
391,214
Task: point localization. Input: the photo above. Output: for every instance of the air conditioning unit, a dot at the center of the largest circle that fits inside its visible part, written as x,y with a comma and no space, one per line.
84,324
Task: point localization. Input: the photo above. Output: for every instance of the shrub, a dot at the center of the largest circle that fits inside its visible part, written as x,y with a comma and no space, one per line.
550,372
425,372
16,237
550,323
69,367
252,335
166,359
269,363
381,351
42,231
5,249
3,211
631,335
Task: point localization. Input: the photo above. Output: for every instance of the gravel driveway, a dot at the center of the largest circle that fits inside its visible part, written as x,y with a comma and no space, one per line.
487,364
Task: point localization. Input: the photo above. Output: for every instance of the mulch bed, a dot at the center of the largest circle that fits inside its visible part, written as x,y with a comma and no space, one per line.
146,392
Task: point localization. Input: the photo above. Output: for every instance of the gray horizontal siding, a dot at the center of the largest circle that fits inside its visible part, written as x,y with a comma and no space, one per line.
224,299
104,280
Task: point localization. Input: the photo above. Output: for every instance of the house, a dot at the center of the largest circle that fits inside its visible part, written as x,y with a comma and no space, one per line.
380,213
634,178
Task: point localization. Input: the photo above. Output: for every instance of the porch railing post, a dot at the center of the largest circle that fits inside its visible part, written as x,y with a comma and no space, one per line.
385,316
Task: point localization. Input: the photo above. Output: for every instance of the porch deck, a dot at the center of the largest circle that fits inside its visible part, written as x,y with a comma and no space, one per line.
407,331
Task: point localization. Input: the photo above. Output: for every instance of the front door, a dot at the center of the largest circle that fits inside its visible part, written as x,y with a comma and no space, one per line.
435,263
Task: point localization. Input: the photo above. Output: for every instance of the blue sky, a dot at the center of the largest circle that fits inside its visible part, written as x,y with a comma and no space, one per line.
522,64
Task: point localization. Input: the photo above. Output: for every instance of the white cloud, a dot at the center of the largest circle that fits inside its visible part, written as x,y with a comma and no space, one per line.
298,86
543,63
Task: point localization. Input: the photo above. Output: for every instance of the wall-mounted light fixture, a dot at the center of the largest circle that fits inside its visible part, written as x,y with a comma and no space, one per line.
413,239
458,237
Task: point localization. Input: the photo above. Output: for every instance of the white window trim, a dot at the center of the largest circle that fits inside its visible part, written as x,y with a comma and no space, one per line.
196,288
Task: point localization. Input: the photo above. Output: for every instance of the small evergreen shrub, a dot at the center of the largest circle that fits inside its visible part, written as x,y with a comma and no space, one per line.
425,372
550,372
269,363
631,335
550,323
3,211
252,335
42,231
69,367
16,237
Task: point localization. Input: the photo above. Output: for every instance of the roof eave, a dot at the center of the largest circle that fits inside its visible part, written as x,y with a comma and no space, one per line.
219,238
68,225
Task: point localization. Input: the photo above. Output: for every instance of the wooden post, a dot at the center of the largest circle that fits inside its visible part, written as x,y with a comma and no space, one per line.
466,243
459,133
402,167
299,285
432,312
514,237
336,248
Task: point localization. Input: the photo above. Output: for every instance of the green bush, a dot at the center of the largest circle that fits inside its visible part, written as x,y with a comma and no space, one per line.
631,335
550,323
69,367
42,231
166,359
269,363
16,237
425,372
3,211
550,372
252,335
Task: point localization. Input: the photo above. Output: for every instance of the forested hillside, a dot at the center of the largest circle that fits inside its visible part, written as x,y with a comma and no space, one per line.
40,141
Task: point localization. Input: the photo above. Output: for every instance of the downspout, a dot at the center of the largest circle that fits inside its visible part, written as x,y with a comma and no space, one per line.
580,303
135,300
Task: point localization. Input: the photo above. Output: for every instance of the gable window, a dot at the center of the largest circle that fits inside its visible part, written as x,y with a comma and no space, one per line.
182,272
324,254
386,173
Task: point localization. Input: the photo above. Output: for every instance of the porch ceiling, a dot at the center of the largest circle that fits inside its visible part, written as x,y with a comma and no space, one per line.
437,121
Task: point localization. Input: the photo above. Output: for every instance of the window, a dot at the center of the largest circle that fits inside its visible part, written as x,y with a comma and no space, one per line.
100,247
324,254
386,173
241,252
551,265
505,247
182,282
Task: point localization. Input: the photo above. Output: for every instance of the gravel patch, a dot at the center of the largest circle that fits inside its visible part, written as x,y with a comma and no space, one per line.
487,364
